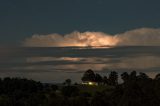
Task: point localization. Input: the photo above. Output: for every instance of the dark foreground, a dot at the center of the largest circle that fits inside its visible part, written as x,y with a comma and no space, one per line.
136,90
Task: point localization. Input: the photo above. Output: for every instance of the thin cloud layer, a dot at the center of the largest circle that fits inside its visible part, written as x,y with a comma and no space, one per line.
140,62
137,37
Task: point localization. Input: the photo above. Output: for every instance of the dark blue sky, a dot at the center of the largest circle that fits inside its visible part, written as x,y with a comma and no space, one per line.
23,18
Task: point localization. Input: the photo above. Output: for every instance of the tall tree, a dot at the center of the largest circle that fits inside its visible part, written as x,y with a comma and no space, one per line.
133,75
88,76
113,78
142,76
125,77
105,80
98,78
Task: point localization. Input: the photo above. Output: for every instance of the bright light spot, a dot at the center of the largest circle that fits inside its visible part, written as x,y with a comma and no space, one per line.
90,83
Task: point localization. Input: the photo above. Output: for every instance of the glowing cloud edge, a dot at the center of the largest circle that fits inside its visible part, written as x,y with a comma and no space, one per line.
136,37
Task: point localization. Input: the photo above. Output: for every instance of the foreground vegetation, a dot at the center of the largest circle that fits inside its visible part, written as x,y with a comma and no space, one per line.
136,90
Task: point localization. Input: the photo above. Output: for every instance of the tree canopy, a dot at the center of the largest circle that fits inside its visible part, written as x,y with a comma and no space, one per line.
137,89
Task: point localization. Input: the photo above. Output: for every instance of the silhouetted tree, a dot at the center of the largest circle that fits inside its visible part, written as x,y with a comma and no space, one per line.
142,76
125,77
113,78
157,77
88,76
133,75
98,78
68,82
157,85
105,80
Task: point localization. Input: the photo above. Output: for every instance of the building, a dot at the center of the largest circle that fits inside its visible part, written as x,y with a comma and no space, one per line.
89,83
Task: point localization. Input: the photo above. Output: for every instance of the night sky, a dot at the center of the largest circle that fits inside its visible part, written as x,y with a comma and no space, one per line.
23,18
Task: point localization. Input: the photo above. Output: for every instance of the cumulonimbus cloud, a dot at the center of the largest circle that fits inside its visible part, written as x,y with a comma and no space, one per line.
136,37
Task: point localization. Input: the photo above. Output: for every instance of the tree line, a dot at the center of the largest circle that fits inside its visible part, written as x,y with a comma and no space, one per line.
135,90
112,78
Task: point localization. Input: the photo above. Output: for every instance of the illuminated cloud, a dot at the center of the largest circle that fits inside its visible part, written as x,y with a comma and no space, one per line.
73,39
137,37
142,37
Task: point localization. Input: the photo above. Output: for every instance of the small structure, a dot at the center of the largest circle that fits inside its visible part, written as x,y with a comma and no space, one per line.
89,83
